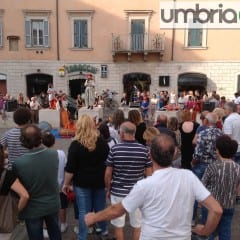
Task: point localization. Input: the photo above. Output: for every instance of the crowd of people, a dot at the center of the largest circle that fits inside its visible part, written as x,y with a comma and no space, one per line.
149,171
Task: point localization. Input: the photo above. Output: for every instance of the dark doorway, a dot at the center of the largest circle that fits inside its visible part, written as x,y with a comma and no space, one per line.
3,84
141,81
76,86
192,82
37,83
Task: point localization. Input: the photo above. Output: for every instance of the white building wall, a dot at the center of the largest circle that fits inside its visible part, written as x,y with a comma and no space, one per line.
222,75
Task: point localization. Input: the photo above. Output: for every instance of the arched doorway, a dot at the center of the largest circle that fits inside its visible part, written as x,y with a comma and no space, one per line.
192,82
141,81
37,83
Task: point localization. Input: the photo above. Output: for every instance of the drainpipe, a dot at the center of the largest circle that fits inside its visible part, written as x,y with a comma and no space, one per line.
57,24
173,37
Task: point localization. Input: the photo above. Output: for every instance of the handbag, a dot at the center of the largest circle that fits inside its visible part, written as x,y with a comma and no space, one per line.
8,209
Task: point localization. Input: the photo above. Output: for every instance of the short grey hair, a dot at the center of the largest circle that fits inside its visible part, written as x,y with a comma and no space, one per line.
125,128
212,118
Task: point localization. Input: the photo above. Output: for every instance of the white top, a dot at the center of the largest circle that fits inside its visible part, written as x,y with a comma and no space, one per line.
231,126
172,99
34,105
61,166
166,201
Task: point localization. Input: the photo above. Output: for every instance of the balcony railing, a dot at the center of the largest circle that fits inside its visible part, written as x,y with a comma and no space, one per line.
138,43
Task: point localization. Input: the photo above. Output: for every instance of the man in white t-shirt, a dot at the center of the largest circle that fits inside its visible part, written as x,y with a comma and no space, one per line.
231,126
165,199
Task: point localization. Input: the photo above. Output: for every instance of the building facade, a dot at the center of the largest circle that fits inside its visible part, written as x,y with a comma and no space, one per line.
121,44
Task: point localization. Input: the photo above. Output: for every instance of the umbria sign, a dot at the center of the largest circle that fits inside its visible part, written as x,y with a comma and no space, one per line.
200,14
81,68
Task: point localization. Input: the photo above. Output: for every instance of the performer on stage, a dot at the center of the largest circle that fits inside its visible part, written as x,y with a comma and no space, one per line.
89,92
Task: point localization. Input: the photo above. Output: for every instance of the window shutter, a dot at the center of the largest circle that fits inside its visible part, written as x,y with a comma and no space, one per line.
46,33
76,33
84,34
28,33
195,37
0,32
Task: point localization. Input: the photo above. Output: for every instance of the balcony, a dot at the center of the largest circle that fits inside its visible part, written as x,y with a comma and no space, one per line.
141,44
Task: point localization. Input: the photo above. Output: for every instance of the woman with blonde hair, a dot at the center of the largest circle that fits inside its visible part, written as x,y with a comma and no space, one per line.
86,168
149,134
135,117
220,114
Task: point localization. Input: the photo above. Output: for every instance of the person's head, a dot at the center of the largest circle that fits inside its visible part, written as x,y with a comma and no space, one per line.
226,147
134,116
203,116
2,157
162,119
22,116
31,136
229,108
219,112
162,150
211,118
104,130
127,131
186,116
173,123
86,132
149,134
117,118
48,139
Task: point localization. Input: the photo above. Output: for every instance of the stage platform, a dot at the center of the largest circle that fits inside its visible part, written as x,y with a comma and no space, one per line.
95,112
51,116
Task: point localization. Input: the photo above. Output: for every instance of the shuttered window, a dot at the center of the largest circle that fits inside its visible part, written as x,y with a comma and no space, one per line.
37,33
1,37
137,34
81,33
195,37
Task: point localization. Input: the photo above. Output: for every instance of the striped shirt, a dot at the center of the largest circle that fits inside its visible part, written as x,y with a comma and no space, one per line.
222,178
11,141
128,160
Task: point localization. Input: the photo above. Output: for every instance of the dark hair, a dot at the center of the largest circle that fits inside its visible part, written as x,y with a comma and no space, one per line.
134,116
31,136
162,150
22,116
117,118
48,139
104,130
226,146
2,157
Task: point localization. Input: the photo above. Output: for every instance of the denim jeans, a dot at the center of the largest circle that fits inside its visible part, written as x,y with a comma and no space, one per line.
198,170
224,227
35,227
88,200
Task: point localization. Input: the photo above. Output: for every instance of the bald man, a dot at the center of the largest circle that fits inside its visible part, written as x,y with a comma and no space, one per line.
127,163
165,199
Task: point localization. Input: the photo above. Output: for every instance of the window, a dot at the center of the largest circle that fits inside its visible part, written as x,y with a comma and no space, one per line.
137,34
37,33
138,26
81,33
81,26
195,36
1,37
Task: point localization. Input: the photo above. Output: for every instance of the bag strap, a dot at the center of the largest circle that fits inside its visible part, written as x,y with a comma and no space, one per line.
3,178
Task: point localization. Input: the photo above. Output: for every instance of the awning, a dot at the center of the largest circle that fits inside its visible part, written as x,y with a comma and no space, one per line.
192,79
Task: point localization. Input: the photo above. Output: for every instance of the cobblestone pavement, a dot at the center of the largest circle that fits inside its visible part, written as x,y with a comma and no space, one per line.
20,233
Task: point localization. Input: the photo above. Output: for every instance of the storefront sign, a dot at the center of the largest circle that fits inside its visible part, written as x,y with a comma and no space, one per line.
81,68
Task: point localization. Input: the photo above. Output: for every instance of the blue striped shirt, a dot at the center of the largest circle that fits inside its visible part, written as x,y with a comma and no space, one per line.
128,160
11,141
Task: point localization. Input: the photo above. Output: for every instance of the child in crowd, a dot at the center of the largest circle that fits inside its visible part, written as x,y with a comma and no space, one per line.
48,140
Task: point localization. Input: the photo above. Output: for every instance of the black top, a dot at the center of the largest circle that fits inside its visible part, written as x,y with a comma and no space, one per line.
88,168
10,178
139,133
